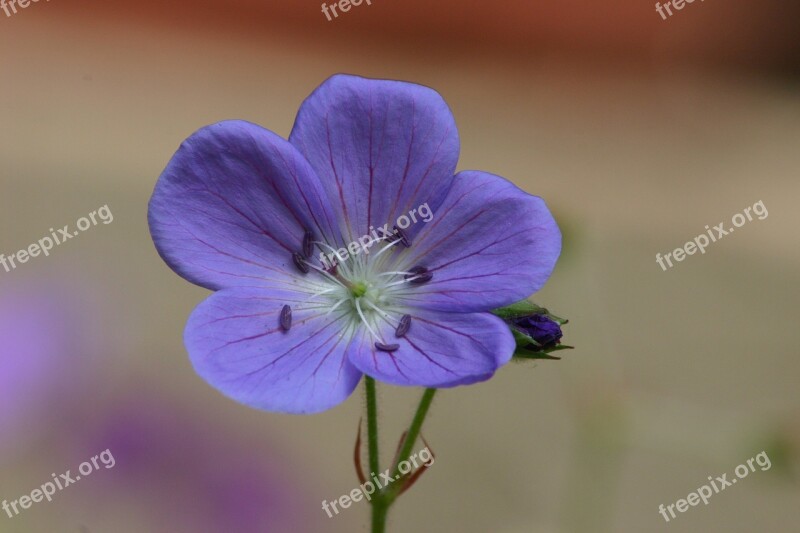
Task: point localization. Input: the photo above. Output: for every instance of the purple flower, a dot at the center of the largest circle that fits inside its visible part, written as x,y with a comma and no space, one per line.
173,473
541,328
46,350
243,212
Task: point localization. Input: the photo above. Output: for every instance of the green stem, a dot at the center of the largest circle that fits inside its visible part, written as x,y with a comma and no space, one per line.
411,436
383,499
380,510
380,506
372,424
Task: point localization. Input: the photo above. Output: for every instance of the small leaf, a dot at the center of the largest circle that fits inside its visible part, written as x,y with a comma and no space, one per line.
527,354
357,456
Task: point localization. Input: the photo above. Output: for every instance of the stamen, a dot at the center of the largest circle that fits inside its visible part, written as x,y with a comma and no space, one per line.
318,294
337,304
308,244
377,309
326,274
387,247
393,273
405,325
403,237
286,318
336,262
364,319
419,275
386,347
300,263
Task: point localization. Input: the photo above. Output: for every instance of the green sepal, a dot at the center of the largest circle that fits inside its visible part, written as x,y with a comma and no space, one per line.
519,309
526,308
522,339
559,347
527,354
523,353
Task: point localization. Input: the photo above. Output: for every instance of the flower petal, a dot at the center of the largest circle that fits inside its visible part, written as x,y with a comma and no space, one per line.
490,244
233,205
236,343
440,350
380,147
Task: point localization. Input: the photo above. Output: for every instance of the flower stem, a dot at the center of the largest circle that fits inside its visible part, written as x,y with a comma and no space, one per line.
411,437
380,510
379,505
383,499
372,424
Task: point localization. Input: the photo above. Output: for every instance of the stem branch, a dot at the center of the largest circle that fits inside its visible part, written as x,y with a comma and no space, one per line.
383,499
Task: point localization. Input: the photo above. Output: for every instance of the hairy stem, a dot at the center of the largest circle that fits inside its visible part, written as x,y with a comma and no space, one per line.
383,499
412,435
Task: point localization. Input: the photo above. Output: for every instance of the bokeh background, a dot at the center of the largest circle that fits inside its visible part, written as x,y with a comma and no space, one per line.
637,131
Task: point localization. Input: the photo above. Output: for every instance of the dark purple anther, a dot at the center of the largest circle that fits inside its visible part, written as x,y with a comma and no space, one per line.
299,262
286,318
419,275
308,244
403,327
400,234
386,347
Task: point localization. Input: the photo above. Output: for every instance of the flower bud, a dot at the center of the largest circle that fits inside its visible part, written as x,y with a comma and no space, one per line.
545,331
536,330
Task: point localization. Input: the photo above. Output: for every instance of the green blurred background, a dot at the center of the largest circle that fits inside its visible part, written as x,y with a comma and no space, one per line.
638,132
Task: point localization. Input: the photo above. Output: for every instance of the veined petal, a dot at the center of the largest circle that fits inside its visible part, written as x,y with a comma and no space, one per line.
236,343
490,244
440,349
380,147
234,204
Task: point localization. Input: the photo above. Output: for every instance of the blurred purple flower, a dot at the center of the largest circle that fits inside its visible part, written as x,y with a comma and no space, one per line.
43,358
174,473
238,210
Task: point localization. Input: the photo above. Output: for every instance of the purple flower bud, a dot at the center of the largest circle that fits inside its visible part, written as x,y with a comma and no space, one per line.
540,328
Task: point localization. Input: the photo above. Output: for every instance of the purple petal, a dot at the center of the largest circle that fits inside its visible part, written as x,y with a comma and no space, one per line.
233,205
380,147
440,350
489,245
236,343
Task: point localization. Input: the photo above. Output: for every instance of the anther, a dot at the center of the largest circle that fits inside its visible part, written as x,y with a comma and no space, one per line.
308,244
402,236
386,347
419,275
403,327
299,262
286,318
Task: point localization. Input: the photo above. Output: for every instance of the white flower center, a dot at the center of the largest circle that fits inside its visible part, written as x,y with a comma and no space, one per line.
368,289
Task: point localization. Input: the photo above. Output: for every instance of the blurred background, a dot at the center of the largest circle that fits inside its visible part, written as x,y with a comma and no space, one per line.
637,131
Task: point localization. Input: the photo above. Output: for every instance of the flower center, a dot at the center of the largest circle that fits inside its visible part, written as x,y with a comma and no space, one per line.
369,289
358,289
